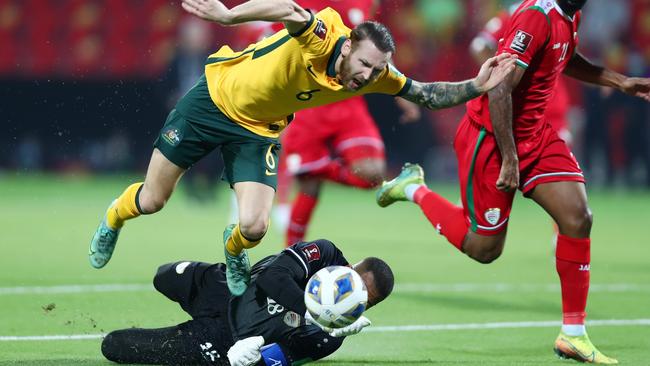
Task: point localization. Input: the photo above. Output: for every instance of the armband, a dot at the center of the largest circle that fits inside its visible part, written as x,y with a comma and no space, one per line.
273,355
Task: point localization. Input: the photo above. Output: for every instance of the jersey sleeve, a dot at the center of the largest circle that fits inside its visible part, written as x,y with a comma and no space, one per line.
315,255
526,35
391,81
318,38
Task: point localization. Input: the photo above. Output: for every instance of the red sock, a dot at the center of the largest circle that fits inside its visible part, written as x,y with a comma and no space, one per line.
301,212
447,218
572,258
338,172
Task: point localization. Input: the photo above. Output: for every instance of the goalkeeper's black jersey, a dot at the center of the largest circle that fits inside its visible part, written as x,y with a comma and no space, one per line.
273,305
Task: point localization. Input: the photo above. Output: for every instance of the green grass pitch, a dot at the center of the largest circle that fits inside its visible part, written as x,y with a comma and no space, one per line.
46,223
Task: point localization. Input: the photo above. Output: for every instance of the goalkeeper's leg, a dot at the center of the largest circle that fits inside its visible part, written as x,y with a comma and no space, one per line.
194,342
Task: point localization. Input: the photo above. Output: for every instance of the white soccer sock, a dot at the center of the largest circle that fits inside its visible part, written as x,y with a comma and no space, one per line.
574,330
410,189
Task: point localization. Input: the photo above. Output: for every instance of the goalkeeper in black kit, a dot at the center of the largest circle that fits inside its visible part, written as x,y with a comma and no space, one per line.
264,326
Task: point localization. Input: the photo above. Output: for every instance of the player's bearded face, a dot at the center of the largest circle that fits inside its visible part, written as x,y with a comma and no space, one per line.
361,64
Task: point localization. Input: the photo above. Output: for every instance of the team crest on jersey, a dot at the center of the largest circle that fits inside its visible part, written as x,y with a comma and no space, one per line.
292,319
320,30
172,136
521,41
492,215
312,252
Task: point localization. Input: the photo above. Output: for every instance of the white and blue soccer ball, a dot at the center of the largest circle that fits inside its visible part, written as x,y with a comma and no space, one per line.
336,296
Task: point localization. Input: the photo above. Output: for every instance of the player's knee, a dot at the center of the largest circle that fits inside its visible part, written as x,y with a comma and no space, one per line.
484,249
577,224
486,257
151,202
372,171
253,227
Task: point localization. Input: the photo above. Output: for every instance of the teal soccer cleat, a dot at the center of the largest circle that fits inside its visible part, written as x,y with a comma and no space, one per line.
238,267
103,244
393,190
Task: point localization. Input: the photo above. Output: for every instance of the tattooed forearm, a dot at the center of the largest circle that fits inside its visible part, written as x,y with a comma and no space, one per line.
441,95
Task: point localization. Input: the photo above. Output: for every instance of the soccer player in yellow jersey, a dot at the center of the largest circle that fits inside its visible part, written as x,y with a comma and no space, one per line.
246,98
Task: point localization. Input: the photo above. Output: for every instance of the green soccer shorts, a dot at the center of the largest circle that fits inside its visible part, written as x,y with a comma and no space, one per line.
196,127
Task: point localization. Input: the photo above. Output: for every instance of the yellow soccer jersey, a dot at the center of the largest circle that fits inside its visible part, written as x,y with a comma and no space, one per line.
261,87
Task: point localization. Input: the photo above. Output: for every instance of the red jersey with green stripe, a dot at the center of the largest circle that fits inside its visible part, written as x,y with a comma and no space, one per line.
544,39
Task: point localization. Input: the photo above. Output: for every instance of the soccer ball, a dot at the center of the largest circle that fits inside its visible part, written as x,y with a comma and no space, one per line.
336,296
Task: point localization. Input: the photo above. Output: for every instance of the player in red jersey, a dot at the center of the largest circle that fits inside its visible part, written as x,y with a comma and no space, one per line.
504,143
485,44
338,142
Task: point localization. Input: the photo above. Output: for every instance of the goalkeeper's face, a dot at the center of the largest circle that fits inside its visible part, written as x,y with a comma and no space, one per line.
378,278
361,64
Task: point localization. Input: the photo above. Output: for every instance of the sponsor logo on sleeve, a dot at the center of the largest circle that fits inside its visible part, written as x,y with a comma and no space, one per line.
521,41
320,30
312,252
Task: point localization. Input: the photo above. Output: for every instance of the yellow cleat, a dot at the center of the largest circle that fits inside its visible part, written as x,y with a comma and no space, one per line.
580,349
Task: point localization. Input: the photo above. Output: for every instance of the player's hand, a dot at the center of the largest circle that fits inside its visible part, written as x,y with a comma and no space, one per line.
246,352
493,71
508,176
351,329
410,111
638,87
310,320
212,10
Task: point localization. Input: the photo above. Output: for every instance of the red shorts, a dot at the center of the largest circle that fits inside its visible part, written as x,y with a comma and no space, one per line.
542,159
344,129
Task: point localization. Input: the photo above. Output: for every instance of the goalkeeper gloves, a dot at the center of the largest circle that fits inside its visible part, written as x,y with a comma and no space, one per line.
351,329
246,352
348,330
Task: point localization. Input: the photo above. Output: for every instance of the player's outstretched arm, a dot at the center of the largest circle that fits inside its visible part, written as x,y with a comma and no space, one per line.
582,69
440,95
287,11
500,105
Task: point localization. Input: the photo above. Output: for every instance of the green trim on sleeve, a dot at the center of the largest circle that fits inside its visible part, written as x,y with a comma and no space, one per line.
521,64
304,29
214,60
264,50
539,9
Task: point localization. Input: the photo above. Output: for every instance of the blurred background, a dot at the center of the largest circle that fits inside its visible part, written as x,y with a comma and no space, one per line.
85,85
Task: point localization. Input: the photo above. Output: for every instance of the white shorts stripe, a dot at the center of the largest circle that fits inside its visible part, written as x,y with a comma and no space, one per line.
490,228
360,141
569,174
310,166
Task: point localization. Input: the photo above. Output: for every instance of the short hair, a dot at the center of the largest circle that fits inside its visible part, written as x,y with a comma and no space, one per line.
382,274
377,33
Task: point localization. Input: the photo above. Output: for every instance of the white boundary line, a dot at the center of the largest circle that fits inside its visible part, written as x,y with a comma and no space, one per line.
400,288
387,329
